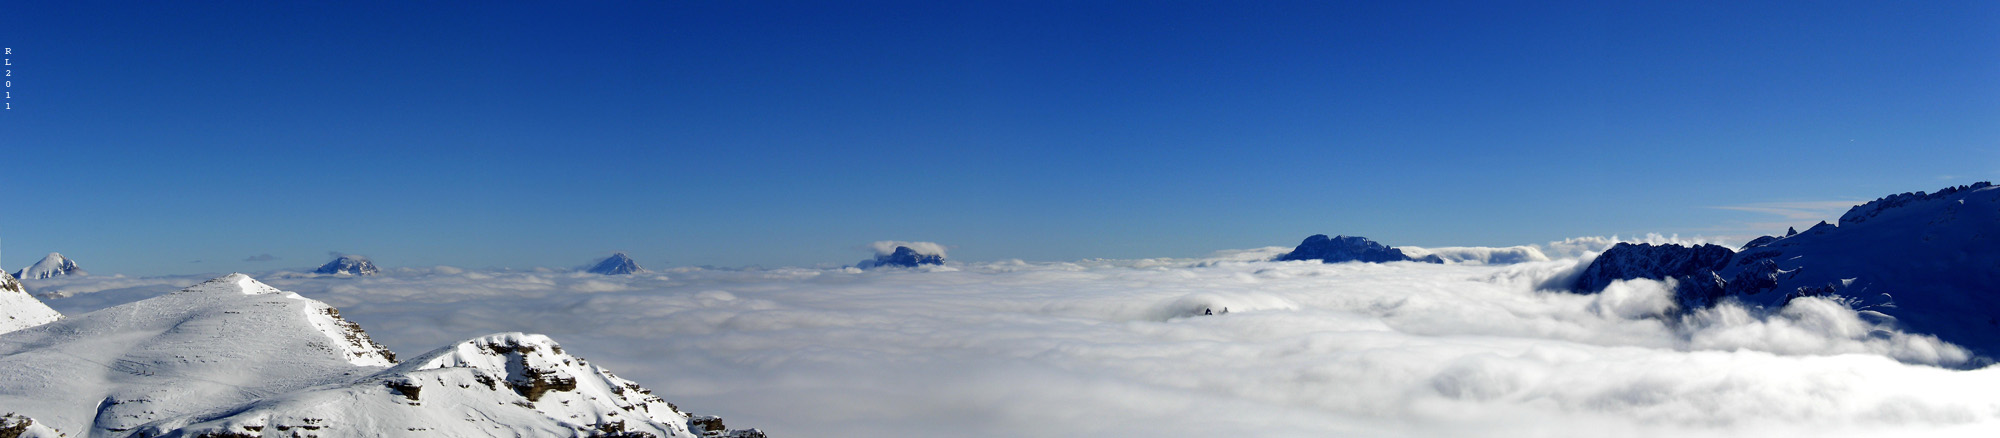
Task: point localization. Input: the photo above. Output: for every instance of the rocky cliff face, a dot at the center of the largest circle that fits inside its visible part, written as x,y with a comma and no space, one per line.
1339,249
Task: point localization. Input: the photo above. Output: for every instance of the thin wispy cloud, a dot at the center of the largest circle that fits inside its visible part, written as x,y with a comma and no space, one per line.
1803,210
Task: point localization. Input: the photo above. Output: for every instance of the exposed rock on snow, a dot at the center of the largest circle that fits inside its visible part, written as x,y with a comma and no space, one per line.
53,265
510,384
349,265
235,357
16,426
18,309
1339,249
903,256
616,264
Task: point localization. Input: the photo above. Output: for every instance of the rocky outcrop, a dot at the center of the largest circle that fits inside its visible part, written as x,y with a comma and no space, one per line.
905,257
1340,249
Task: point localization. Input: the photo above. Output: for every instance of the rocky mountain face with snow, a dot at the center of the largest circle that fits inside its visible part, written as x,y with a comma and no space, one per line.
1340,249
348,265
233,357
616,264
54,265
18,309
1928,261
905,257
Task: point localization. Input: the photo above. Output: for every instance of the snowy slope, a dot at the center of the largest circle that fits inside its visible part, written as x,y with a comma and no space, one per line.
235,355
508,384
18,310
51,266
218,343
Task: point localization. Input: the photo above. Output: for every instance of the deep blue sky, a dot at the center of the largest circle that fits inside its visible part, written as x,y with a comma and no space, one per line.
148,135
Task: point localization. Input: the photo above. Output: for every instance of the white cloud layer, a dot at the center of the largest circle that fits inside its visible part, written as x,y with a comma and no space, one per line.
1111,348
886,247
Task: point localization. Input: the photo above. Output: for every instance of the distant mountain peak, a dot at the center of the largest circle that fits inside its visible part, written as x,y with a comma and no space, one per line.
904,256
348,264
617,264
1339,249
53,265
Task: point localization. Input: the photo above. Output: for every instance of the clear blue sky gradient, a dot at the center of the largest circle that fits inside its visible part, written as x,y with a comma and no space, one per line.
146,136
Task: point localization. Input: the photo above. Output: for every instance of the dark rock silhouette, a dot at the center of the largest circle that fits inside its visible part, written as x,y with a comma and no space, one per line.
1340,249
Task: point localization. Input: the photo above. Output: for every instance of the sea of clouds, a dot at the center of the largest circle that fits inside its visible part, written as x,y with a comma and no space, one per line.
1121,348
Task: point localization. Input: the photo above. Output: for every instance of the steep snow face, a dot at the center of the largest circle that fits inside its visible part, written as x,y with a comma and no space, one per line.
51,266
220,343
508,384
1340,249
903,256
348,265
18,310
616,264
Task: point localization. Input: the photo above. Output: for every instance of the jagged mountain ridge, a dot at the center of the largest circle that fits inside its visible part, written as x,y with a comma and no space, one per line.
1340,249
1930,261
903,256
231,356
51,266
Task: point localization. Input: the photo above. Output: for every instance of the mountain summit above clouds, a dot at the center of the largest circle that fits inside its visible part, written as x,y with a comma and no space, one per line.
348,264
616,264
1929,261
1339,249
904,254
54,265
235,357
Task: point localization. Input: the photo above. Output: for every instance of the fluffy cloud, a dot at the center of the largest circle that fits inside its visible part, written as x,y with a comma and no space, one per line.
1116,348
885,247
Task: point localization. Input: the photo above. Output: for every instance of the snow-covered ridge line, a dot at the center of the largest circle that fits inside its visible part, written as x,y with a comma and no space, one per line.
235,357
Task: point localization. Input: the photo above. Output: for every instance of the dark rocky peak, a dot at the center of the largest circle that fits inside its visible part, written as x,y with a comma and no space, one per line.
1626,261
903,256
1340,249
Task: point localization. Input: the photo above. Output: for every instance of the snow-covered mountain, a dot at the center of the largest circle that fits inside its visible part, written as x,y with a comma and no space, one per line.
616,264
1929,261
51,266
235,357
18,310
903,256
1340,249
348,264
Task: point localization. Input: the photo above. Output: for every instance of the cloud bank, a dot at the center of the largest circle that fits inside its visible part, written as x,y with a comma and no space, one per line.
1116,348
885,247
